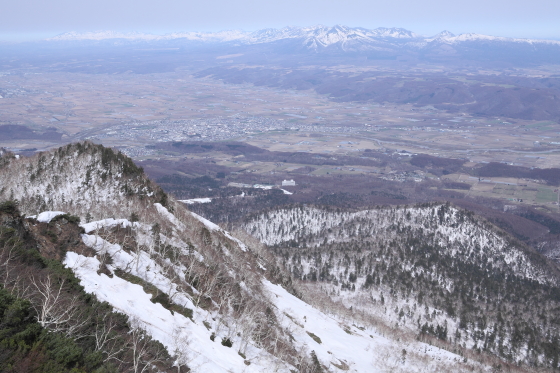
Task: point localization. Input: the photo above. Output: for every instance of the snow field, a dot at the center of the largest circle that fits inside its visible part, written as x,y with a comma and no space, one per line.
361,351
160,323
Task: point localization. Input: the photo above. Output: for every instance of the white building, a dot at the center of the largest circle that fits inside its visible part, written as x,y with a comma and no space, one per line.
288,183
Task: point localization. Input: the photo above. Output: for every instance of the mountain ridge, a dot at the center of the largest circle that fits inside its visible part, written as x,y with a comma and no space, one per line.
313,37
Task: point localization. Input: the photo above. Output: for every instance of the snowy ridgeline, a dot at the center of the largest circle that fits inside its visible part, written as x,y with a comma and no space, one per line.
338,344
455,231
78,178
355,38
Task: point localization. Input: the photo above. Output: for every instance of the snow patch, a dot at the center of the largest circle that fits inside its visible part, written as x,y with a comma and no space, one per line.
165,213
196,200
47,216
107,223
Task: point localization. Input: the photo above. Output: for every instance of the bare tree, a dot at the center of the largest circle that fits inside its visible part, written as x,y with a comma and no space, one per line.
183,353
55,310
208,280
106,339
7,257
12,274
144,354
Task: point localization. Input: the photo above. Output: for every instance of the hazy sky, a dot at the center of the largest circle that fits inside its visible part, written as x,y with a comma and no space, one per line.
41,18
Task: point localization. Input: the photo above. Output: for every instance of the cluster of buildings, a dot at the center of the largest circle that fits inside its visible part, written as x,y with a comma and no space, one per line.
135,138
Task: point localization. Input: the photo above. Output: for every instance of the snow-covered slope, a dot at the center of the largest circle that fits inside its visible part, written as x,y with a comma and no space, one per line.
337,343
188,337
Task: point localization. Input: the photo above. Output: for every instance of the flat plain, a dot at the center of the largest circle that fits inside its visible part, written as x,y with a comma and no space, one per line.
86,106
134,112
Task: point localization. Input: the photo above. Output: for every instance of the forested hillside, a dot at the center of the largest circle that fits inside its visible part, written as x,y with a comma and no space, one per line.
49,323
91,181
434,269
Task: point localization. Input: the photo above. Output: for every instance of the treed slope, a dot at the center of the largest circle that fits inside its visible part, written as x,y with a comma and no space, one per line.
462,235
28,347
174,275
434,269
190,267
48,323
89,180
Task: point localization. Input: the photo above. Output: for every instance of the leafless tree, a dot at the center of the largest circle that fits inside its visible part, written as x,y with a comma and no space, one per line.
7,256
144,355
55,310
106,339
12,274
208,280
183,353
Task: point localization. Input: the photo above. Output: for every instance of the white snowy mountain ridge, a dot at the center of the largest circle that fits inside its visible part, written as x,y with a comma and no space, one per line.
460,239
311,37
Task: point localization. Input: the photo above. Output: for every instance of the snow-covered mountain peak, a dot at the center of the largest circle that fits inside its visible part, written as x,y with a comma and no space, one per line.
93,180
444,34
326,34
394,32
474,36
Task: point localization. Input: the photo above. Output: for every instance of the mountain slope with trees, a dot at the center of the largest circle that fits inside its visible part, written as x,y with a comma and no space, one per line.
123,278
432,269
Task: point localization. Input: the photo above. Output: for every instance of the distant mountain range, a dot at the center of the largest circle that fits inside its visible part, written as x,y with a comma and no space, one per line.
314,38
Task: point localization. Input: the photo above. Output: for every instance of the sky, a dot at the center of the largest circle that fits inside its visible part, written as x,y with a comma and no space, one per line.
33,19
